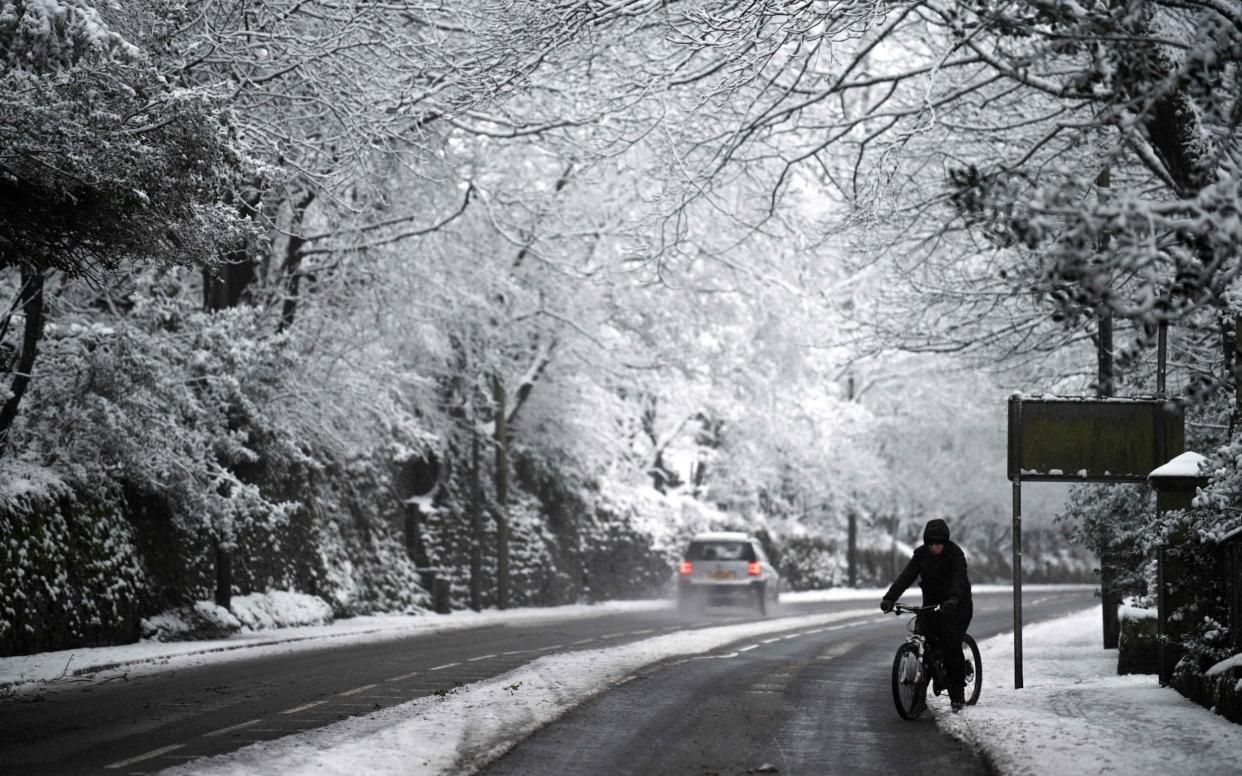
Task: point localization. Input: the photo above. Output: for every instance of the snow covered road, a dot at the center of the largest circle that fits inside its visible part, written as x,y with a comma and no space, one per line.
663,681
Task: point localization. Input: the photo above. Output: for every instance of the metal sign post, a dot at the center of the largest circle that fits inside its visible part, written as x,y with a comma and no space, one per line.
1015,452
1017,584
1073,439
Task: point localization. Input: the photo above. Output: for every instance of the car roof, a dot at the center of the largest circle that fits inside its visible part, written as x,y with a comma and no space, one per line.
721,536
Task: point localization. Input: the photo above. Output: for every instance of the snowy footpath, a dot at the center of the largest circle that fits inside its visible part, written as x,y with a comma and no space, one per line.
1075,715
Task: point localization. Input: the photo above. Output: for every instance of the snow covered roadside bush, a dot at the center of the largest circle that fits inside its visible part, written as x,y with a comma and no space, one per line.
1194,541
257,611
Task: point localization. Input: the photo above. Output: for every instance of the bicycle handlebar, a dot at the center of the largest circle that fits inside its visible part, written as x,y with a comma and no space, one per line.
899,608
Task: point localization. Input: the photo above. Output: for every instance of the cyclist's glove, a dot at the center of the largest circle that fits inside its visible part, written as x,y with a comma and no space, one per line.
949,605
886,605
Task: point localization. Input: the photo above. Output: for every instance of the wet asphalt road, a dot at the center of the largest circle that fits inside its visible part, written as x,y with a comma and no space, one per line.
792,689
813,703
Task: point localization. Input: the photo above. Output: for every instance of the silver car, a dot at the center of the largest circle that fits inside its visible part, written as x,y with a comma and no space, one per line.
726,567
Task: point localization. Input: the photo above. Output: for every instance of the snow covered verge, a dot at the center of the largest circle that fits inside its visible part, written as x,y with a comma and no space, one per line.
1076,715
26,674
876,593
256,611
470,727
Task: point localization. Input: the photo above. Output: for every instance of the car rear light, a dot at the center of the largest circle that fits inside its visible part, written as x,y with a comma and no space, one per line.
752,568
685,568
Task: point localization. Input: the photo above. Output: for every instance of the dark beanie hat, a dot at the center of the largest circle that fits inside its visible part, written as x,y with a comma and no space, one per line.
936,532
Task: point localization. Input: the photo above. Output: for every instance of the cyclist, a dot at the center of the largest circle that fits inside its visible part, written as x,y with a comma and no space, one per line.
940,567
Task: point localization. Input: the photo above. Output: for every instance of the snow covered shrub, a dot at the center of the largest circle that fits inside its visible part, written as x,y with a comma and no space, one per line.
200,621
279,609
1113,522
69,574
200,426
811,563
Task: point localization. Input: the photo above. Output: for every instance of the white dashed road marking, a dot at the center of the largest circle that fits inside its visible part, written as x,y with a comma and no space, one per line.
446,665
403,677
303,707
147,756
357,690
231,728
481,657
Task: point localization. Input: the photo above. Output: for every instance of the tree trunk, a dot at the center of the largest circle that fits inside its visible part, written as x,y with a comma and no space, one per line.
224,574
293,262
32,307
476,525
1106,380
852,548
502,494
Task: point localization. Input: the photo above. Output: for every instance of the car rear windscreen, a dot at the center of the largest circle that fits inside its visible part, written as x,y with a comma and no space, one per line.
721,551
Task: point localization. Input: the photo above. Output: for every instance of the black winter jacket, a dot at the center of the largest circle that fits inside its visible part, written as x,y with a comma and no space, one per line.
941,576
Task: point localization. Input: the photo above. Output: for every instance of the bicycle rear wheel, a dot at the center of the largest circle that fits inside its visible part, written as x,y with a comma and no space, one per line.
974,670
909,684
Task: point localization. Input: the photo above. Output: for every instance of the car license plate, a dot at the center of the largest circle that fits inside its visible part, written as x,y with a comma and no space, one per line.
721,575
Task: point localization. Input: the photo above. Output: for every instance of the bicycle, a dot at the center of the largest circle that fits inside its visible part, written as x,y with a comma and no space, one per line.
916,663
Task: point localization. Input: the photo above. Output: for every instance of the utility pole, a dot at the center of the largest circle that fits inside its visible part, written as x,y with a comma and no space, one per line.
502,493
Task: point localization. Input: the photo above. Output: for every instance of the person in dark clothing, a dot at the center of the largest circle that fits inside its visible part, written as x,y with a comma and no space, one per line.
940,567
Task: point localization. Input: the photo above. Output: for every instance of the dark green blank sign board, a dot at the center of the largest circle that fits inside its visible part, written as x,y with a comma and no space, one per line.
1091,440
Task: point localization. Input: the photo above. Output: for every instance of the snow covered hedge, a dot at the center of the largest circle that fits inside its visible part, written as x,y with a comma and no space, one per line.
69,573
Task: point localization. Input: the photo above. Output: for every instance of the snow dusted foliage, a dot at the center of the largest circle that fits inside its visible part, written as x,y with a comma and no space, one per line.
69,571
103,159
47,35
1114,523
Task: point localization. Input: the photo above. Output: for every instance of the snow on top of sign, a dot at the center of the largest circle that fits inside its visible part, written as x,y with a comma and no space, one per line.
1047,397
1188,464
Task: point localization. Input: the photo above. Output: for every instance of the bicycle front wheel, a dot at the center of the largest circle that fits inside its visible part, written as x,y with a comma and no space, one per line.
909,685
974,670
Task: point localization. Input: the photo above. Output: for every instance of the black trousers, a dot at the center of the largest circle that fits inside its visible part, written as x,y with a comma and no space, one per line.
945,633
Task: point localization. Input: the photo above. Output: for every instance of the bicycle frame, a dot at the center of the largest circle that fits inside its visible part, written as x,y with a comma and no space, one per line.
927,666
912,676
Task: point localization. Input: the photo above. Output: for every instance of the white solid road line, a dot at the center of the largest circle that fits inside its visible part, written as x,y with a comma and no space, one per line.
147,756
231,728
303,707
446,665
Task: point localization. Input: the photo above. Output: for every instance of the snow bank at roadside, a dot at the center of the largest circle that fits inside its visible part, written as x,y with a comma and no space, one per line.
479,722
876,593
256,611
1076,715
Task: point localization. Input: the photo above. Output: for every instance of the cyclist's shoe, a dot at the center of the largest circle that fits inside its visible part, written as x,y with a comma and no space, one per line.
936,688
957,698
